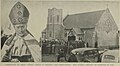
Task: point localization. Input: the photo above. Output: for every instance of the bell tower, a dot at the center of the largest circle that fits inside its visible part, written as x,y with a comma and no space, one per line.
54,23
54,16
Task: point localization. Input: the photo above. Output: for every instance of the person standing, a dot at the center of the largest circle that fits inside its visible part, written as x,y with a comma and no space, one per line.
61,54
96,44
3,39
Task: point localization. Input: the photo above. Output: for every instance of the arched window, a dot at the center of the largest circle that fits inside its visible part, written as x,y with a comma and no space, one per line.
65,34
50,34
57,18
50,18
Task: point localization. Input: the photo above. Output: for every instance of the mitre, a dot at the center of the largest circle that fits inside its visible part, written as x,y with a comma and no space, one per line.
19,14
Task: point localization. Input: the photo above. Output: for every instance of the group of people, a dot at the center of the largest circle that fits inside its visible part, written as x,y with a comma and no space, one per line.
76,44
60,47
52,46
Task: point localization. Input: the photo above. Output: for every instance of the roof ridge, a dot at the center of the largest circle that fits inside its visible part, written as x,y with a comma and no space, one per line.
85,12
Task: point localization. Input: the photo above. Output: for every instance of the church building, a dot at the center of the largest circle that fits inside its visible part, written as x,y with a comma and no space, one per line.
92,27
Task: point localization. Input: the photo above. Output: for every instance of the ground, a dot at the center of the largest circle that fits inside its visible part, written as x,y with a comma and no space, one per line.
51,58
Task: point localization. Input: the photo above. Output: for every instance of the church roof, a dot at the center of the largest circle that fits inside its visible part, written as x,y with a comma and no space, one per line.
83,20
44,30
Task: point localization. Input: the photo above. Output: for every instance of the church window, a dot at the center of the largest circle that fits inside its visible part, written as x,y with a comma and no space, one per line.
57,18
50,18
42,35
50,35
108,26
65,34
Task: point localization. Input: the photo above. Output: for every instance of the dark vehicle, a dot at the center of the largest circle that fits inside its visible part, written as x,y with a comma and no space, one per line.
111,56
84,55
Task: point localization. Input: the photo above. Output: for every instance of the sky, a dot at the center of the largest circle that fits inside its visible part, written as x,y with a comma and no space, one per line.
39,11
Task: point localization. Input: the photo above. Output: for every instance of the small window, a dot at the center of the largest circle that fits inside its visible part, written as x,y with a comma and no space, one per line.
50,35
65,34
109,57
50,18
57,18
42,35
91,52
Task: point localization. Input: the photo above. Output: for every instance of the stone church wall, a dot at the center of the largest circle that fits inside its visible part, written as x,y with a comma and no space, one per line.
106,30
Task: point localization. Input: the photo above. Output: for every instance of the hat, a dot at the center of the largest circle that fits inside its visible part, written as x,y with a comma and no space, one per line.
19,14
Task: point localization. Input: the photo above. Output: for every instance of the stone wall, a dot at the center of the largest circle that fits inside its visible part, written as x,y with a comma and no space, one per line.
106,30
54,24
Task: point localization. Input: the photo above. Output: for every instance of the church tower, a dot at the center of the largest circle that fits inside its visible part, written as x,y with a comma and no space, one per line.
54,23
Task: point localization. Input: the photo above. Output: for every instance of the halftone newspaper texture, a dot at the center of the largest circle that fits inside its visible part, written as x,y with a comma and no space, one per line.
60,33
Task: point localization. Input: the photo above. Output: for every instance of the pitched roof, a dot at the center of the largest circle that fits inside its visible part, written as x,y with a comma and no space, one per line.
71,33
44,30
77,30
83,20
